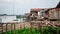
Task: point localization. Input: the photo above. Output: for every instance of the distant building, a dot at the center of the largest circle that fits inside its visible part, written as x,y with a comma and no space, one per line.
7,18
0,20
27,14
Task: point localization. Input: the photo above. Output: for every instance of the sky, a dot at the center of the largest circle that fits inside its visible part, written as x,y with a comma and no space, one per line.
24,6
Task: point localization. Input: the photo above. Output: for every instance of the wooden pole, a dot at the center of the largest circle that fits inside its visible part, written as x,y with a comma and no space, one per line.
11,28
6,27
14,28
58,22
2,27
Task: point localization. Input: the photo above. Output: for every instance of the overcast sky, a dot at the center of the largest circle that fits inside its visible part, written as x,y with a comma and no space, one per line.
24,6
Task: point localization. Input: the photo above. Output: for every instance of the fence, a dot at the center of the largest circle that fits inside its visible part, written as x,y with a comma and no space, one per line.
4,27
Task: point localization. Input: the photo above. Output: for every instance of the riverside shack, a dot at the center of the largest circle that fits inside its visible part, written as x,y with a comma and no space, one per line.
47,13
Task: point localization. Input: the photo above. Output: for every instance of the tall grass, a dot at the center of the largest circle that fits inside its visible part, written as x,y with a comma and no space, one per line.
46,30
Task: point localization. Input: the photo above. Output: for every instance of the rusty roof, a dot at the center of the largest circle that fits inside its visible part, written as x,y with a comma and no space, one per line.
38,9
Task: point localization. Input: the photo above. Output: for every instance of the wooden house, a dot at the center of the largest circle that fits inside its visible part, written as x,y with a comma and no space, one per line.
38,13
54,13
50,13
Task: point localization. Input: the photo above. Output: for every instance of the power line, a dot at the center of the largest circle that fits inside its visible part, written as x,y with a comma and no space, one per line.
13,6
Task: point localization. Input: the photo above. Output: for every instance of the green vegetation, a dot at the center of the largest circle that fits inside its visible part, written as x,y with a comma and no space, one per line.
24,31
18,16
45,30
50,30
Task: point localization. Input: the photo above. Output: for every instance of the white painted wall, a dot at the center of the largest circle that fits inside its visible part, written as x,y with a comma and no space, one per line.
7,18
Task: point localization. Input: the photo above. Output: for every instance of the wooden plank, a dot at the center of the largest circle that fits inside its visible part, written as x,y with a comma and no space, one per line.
6,27
2,28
